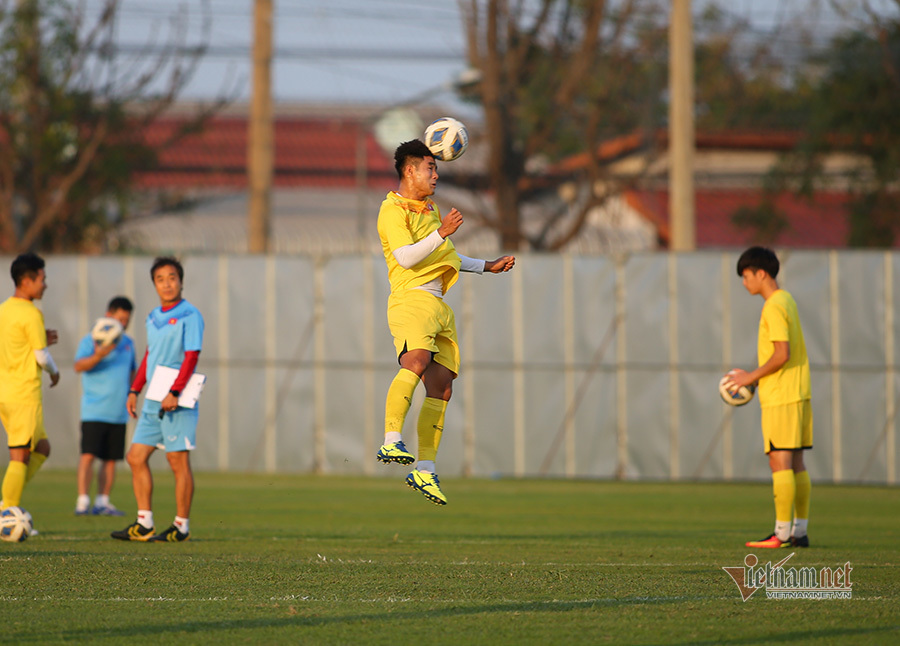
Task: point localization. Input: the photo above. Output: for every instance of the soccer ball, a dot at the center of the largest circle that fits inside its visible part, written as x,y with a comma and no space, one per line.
446,138
107,331
15,524
735,396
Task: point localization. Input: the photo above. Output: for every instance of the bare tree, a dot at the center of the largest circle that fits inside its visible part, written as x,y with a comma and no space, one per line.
560,76
73,111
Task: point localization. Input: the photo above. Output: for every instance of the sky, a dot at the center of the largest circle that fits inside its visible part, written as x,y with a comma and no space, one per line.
359,51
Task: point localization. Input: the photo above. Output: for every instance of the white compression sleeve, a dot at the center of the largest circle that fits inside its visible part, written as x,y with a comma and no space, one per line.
471,264
412,254
45,361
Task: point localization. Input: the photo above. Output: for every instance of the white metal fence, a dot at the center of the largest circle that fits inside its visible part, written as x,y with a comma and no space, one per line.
572,366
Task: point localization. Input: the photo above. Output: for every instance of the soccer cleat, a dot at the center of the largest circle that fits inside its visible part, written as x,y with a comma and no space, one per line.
134,532
108,510
82,512
800,541
771,541
171,535
395,452
428,484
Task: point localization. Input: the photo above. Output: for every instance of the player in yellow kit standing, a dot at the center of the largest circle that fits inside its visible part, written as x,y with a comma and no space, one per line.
784,396
422,265
23,354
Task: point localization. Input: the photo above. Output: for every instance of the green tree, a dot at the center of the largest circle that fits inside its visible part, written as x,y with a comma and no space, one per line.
72,114
559,77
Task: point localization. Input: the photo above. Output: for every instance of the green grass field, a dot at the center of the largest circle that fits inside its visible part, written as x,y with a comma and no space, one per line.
332,560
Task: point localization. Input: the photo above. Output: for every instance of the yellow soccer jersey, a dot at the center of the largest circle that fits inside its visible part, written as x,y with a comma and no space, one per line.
780,322
21,333
403,222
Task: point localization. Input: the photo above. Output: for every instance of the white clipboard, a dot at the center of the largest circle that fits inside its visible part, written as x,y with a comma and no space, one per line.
164,377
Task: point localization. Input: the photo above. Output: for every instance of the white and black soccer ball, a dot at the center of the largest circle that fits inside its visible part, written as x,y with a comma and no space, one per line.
731,394
15,525
106,331
446,138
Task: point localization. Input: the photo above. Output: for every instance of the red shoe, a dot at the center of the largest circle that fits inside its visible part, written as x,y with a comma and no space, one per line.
771,541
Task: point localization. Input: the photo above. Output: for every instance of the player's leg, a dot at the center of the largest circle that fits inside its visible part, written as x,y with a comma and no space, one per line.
801,501
112,448
180,463
412,324
781,438
38,456
14,478
19,421
90,441
438,378
180,431
147,436
85,475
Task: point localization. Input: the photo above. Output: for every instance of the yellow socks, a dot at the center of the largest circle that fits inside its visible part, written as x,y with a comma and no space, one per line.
801,502
430,427
784,488
399,398
35,462
14,483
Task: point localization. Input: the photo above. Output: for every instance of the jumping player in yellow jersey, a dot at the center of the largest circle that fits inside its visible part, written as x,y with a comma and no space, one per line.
784,396
422,265
23,354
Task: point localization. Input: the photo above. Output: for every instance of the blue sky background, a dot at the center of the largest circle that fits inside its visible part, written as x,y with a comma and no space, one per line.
367,51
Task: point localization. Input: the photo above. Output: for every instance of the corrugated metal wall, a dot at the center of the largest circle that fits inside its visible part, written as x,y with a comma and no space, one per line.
572,366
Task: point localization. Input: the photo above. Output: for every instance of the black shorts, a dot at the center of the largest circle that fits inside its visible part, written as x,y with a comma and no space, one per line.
103,440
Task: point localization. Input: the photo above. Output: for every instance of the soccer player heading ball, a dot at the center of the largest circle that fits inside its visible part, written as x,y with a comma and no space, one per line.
422,266
784,396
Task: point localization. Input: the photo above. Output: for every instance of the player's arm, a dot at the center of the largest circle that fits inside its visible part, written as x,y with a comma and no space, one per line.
86,364
410,255
170,401
501,265
476,266
137,384
781,354
45,361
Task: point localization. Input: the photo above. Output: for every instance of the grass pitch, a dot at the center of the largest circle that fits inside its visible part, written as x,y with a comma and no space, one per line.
282,559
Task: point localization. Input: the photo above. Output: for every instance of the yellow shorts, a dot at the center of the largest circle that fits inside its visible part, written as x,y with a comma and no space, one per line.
24,424
788,427
421,321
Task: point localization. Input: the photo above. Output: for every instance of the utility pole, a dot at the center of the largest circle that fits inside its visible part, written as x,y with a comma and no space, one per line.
681,128
260,145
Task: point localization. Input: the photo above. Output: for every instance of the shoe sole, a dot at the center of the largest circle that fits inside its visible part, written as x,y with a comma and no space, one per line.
429,496
140,539
399,459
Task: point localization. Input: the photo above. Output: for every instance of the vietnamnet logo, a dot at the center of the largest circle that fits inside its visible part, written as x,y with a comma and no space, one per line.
782,582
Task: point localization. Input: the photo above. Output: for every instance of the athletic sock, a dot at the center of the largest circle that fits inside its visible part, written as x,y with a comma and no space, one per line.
783,488
14,483
430,428
399,399
799,528
392,437
801,501
35,462
182,524
101,500
83,502
425,466
145,518
783,530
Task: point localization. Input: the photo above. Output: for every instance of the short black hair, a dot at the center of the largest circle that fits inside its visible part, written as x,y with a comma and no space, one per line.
120,303
26,265
409,151
167,261
756,258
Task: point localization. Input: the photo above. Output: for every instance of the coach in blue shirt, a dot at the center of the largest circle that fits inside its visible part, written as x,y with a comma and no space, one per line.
106,374
174,340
